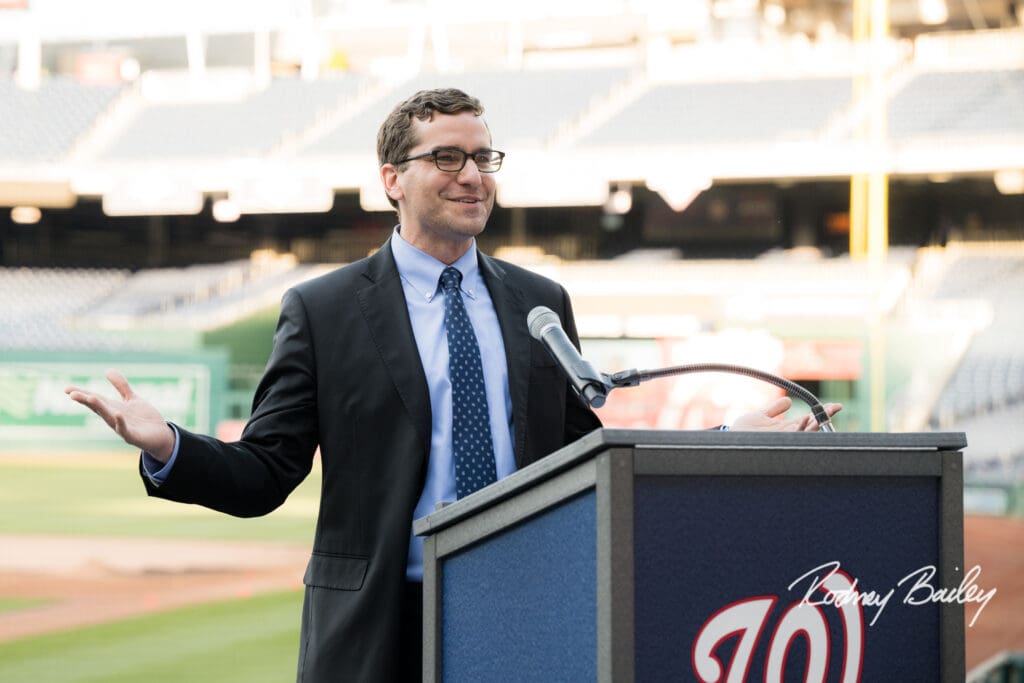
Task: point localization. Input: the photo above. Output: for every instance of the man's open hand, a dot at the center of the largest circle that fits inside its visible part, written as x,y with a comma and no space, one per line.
134,420
771,418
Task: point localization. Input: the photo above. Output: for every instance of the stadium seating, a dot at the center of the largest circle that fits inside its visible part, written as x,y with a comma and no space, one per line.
984,396
40,305
250,126
339,116
959,103
79,309
726,112
523,107
41,125
250,296
990,377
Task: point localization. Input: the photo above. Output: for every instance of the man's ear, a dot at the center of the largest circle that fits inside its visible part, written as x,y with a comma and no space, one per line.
389,177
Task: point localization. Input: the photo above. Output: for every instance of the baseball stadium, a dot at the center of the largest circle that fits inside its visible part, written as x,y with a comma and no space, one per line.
831,191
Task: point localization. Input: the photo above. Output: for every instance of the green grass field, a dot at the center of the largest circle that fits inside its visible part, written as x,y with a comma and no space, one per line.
254,639
248,641
103,496
9,604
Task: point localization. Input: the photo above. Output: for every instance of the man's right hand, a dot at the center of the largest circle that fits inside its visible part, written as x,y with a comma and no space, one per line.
134,419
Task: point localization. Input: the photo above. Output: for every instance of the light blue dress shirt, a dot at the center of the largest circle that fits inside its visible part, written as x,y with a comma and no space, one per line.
421,274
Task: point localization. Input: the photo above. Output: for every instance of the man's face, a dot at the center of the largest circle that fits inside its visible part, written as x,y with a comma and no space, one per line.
441,211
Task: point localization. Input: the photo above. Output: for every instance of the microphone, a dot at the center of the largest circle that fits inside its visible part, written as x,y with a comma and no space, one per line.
546,328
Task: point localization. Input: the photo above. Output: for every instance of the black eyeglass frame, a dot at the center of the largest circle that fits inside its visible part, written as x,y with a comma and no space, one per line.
500,156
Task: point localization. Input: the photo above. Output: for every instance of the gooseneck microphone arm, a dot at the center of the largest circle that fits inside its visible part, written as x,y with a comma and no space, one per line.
631,378
593,386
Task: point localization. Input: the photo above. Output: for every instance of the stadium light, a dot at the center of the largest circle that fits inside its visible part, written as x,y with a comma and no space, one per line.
130,69
226,211
774,15
933,12
1010,181
26,215
620,201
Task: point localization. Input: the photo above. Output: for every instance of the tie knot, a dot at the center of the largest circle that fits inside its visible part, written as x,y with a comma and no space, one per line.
451,278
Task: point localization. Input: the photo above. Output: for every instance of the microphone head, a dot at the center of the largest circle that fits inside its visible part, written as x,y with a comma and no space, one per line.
540,318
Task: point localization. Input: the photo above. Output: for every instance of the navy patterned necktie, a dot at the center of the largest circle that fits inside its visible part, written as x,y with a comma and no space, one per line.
471,425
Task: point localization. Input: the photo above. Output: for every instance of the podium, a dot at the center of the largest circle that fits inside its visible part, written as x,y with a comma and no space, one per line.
682,556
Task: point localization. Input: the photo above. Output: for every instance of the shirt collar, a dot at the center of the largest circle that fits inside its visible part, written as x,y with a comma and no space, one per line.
423,272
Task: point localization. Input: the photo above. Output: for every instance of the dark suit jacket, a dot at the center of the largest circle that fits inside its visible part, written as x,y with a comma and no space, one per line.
345,374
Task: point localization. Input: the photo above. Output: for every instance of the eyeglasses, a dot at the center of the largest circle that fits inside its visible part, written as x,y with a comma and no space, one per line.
453,160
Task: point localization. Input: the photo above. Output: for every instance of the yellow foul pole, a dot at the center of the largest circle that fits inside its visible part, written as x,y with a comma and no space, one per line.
869,191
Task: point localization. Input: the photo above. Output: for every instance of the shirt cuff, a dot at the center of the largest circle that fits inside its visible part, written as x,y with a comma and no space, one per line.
156,471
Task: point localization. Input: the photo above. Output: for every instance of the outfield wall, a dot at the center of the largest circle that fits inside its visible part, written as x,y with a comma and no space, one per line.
36,415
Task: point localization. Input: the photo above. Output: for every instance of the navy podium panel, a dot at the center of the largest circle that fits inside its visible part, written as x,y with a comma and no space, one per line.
522,604
705,556
711,542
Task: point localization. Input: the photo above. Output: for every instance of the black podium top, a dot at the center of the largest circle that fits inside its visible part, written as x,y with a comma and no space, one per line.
604,439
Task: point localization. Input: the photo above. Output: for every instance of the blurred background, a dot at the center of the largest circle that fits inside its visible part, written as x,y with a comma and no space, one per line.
830,190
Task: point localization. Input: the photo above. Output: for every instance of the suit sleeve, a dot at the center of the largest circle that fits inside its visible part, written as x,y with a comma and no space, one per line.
255,475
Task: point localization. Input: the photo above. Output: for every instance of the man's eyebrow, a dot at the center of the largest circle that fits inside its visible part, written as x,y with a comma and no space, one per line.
445,148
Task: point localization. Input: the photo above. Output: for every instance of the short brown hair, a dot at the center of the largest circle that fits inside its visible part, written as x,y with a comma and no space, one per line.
395,137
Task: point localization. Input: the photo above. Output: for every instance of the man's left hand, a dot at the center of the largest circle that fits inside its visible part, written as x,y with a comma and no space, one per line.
771,418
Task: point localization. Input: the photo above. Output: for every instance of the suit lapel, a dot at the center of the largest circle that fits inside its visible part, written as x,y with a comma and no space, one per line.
383,305
511,312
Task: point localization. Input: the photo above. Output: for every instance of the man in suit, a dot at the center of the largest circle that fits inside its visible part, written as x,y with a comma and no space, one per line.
360,368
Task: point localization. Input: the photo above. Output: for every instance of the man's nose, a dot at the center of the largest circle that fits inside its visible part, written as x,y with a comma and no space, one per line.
470,173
